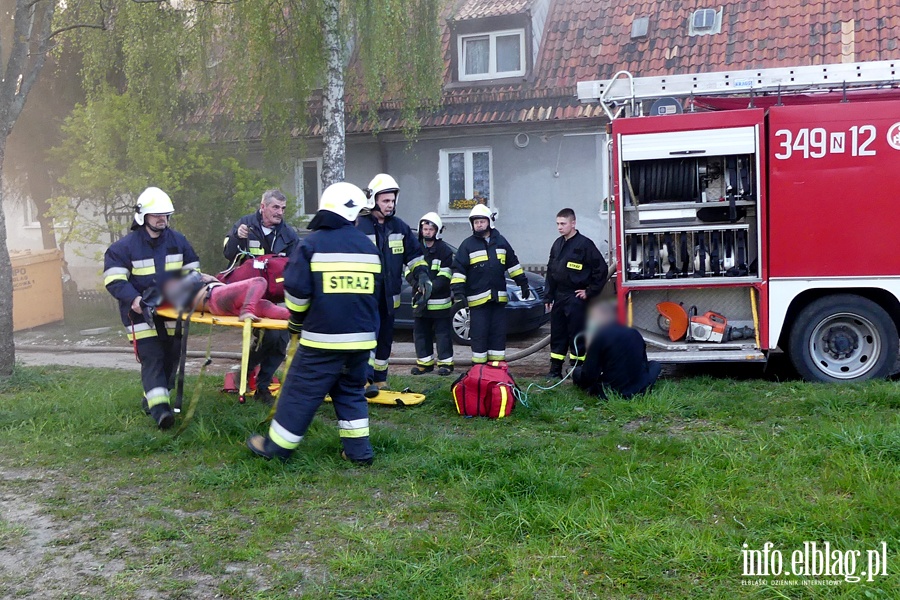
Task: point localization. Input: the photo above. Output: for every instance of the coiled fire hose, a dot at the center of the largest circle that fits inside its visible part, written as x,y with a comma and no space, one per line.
399,360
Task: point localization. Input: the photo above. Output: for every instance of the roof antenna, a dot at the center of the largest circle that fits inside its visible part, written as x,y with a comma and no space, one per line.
779,103
845,92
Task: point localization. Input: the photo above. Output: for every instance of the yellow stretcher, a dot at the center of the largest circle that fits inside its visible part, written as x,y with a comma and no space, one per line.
247,325
386,397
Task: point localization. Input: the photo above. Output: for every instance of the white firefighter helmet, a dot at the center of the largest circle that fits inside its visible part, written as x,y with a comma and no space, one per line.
152,201
343,199
481,211
435,220
381,183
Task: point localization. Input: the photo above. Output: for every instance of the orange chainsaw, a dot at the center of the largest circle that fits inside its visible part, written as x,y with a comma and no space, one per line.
708,327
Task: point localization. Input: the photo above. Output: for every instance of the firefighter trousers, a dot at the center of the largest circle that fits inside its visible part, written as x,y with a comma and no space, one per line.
268,351
378,363
313,374
487,327
430,330
159,354
567,321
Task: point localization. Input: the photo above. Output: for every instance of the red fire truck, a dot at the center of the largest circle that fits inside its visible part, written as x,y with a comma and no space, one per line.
756,212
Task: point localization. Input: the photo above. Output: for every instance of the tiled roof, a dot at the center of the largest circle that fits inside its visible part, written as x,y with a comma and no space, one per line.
754,34
591,39
479,9
545,110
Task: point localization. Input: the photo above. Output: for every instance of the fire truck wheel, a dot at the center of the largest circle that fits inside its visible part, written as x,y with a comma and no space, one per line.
843,338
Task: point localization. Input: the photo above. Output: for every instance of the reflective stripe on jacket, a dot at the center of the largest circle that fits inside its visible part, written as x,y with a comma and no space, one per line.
480,268
439,258
138,261
284,242
575,264
330,285
397,246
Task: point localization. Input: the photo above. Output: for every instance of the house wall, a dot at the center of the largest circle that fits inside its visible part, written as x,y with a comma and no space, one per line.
85,262
556,169
21,233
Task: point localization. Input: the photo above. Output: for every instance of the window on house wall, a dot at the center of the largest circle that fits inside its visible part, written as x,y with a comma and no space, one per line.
31,214
492,55
465,176
705,21
308,177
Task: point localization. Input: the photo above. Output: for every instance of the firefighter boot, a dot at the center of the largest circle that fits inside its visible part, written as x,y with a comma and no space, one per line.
373,388
163,415
445,370
420,370
555,369
264,395
265,448
365,463
144,406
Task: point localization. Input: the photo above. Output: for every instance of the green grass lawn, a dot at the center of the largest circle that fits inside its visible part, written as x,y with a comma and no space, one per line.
571,498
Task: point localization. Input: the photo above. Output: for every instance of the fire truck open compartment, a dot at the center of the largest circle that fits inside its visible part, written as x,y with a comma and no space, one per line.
690,201
761,219
734,302
690,205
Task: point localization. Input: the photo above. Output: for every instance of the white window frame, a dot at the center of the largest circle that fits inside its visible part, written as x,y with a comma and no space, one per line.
31,215
444,209
299,184
716,26
492,55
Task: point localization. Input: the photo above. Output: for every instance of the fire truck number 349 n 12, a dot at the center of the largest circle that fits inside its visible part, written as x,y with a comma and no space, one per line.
816,142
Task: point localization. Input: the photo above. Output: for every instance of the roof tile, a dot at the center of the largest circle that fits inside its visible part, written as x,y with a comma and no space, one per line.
591,39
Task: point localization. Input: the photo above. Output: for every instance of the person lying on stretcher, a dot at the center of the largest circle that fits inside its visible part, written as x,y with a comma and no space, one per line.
204,293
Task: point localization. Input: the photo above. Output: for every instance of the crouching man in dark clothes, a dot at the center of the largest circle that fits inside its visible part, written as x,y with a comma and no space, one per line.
616,358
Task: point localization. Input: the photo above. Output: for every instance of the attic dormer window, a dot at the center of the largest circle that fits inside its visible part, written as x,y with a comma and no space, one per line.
492,55
705,21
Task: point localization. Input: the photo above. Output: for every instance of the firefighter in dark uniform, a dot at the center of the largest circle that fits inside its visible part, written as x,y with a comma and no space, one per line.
616,358
576,273
397,247
479,277
254,235
432,323
136,268
331,287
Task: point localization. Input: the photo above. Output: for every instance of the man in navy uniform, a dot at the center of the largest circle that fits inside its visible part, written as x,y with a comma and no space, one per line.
432,322
263,233
616,358
137,267
331,286
397,246
479,278
576,273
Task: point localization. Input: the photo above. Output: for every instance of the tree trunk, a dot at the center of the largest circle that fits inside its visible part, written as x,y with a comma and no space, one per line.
7,347
25,52
40,190
334,154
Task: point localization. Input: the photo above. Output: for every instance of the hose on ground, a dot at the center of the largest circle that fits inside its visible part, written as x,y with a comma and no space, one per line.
400,360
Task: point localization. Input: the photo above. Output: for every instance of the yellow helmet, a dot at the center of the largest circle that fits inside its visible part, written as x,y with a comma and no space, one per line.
152,201
343,199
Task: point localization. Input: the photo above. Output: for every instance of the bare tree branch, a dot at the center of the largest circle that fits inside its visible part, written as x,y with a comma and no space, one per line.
101,27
